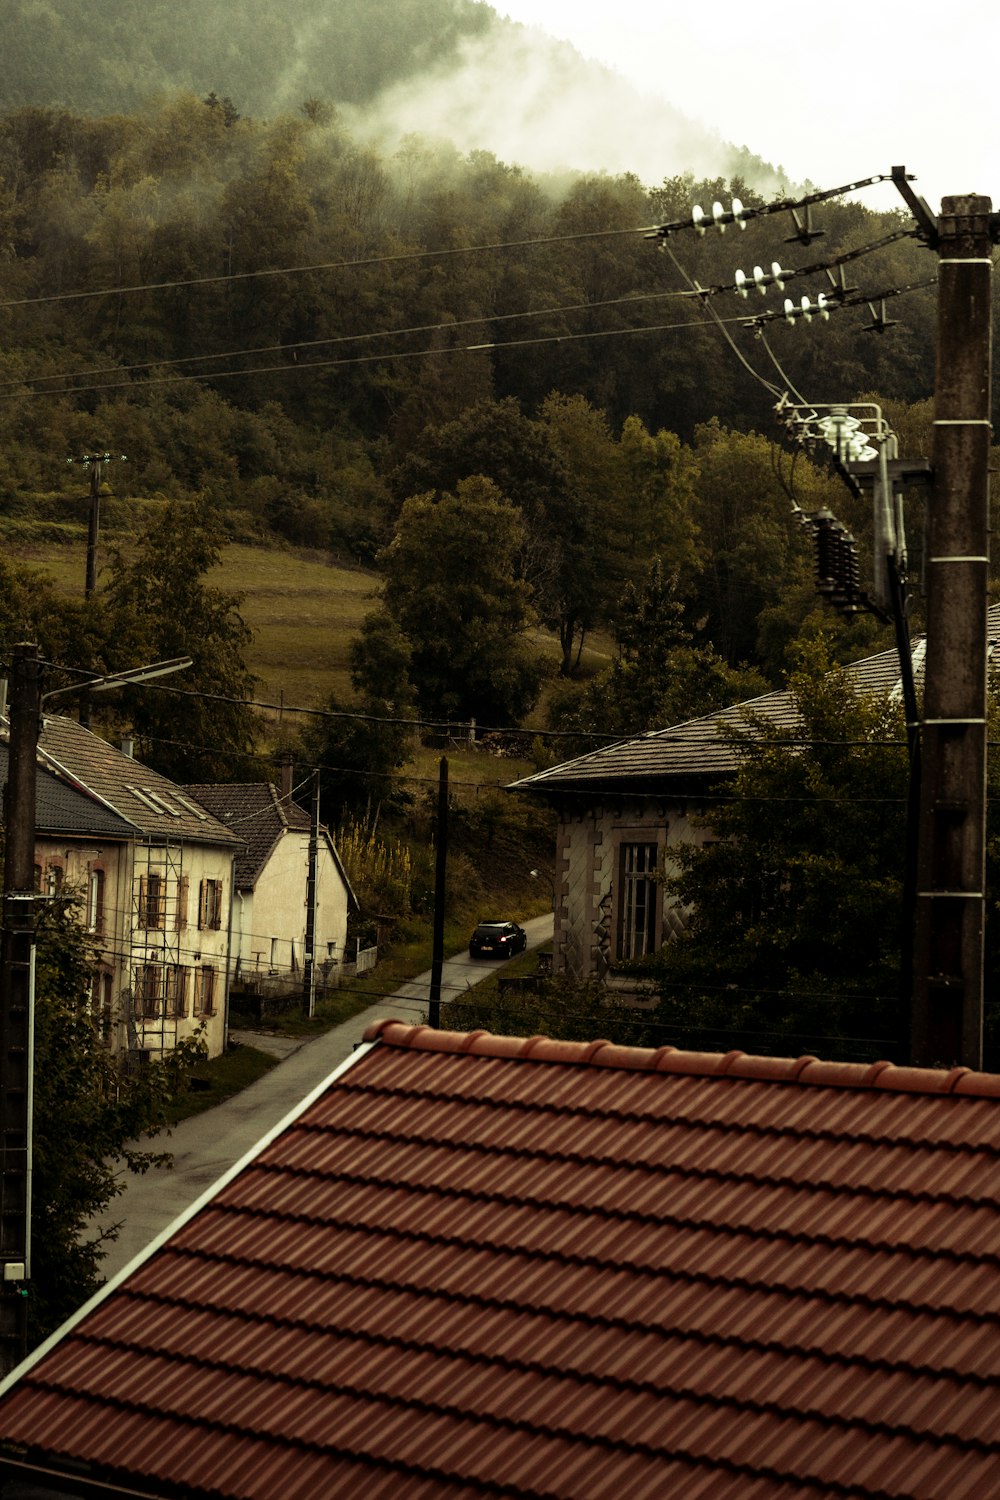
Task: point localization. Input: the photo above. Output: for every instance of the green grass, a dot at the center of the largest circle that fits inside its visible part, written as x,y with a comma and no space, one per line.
215,1080
303,608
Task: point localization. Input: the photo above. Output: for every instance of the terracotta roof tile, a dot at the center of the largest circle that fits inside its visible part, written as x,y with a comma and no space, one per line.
476,1265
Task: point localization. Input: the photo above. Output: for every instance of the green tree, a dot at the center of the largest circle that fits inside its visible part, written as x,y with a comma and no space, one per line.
89,1117
361,743
795,901
452,586
200,727
755,556
659,676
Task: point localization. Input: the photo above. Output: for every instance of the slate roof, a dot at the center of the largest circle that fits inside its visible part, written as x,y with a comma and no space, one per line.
154,806
477,1265
258,813
686,754
62,811
261,816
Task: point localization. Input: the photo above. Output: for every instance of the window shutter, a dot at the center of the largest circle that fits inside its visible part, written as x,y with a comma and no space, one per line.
143,910
217,904
182,903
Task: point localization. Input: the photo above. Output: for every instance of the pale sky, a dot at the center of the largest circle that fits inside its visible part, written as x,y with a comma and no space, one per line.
832,93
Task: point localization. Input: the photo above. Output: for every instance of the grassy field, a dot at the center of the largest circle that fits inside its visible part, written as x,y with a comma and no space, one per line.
302,607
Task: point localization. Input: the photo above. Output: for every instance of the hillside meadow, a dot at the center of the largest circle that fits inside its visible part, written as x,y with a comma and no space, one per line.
302,606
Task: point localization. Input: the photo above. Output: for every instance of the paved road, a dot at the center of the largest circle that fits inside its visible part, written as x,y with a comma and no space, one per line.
207,1145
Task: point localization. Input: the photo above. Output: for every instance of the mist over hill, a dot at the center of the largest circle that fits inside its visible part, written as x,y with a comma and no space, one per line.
448,69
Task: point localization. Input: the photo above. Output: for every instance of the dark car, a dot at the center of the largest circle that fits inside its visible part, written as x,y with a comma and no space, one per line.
497,940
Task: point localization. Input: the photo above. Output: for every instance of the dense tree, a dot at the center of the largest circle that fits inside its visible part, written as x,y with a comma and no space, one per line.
451,585
660,675
359,744
90,1120
795,927
200,726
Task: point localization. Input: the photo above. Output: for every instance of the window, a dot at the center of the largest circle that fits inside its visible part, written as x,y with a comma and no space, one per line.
638,900
149,991
95,901
151,901
53,880
206,990
100,1004
210,904
176,995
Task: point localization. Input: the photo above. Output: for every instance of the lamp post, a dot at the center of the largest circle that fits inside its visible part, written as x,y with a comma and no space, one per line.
544,875
17,976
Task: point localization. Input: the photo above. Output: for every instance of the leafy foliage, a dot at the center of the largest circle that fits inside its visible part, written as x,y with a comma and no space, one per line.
660,676
451,585
365,742
88,1120
158,607
795,902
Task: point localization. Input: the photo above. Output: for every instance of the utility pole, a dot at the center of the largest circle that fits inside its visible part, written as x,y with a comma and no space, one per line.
309,961
440,871
947,1014
17,977
17,972
95,463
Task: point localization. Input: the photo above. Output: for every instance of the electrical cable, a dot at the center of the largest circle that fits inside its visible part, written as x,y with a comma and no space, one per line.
331,265
720,324
7,386
361,359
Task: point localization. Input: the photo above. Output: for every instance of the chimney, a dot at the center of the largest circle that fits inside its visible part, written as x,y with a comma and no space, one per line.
287,771
128,746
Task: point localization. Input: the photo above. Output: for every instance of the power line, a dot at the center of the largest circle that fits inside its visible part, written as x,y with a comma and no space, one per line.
363,359
330,265
345,338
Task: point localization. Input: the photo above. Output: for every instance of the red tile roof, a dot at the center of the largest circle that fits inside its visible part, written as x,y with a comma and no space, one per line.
479,1265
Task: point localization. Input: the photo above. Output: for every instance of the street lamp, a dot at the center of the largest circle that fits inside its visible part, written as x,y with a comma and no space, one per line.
17,974
544,875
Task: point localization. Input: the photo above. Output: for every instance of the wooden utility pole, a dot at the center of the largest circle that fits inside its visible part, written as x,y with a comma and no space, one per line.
93,527
17,966
947,1015
440,873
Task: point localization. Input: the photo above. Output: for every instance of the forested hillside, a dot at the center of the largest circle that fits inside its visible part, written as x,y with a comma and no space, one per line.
298,334
302,332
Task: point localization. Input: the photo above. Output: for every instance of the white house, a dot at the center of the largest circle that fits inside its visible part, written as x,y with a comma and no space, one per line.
156,872
271,883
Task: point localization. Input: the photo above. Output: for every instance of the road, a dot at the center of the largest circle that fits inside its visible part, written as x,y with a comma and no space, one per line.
207,1145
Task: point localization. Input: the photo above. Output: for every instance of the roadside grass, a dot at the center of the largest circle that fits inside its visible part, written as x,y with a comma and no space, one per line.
214,1080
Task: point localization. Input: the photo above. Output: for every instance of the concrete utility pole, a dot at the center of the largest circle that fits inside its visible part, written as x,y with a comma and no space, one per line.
947,1014
17,964
309,961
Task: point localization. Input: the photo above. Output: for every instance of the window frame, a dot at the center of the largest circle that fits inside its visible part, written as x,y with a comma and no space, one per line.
638,895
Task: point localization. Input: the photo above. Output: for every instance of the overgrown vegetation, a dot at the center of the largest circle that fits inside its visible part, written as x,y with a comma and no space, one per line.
90,1121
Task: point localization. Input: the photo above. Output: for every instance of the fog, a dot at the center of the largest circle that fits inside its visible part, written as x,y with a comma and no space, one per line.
537,102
